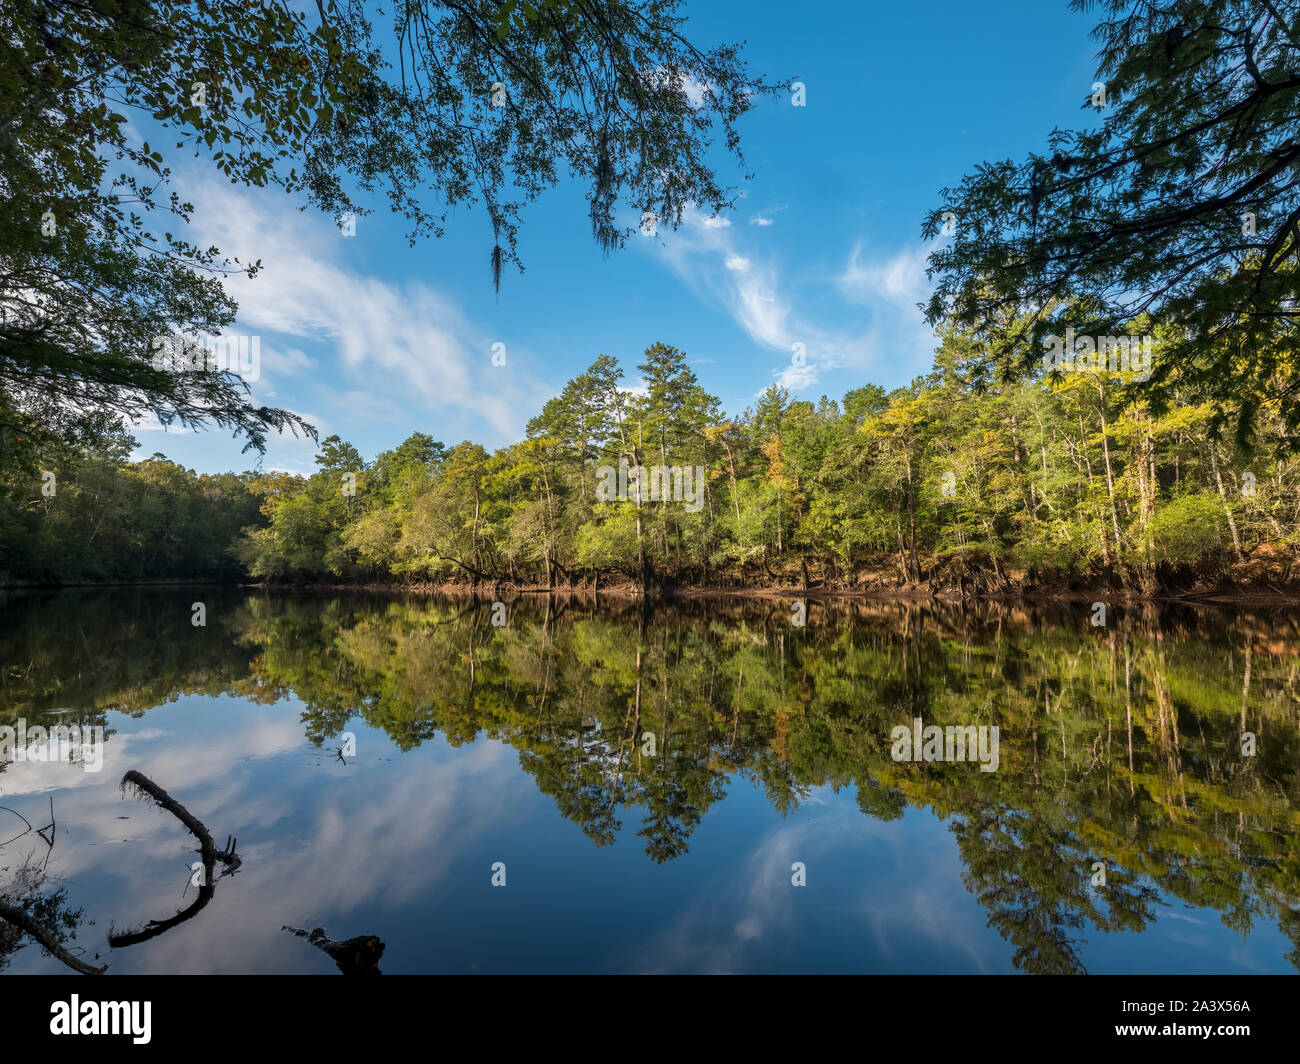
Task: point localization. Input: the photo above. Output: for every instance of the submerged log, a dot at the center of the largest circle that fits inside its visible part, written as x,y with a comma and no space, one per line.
354,956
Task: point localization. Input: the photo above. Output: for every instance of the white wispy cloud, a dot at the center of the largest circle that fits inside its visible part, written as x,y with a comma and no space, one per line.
766,217
864,318
402,348
744,286
889,285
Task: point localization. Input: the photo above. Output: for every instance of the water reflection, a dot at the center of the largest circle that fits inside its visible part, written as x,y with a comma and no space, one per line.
1121,755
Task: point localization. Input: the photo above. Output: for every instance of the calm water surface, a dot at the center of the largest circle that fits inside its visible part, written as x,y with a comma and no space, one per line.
530,744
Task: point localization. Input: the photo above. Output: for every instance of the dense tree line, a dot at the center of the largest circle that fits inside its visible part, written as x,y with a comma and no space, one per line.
86,513
1058,478
1064,479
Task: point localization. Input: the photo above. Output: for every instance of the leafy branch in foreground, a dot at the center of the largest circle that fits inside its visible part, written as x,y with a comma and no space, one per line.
470,101
1183,204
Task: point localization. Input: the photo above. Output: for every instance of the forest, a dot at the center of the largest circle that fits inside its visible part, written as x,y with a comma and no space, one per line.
1056,482
1154,456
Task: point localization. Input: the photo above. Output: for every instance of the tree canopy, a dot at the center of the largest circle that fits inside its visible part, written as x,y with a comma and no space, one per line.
466,102
1182,202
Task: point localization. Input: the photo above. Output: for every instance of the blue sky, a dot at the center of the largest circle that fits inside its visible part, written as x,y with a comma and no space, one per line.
372,339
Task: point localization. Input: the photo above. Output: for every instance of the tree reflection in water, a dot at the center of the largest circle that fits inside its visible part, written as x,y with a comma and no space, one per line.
1121,746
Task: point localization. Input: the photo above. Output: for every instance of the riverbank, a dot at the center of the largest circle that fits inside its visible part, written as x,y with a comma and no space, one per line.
1245,596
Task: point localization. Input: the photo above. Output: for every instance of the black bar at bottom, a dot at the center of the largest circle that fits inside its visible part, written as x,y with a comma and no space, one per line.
223,1014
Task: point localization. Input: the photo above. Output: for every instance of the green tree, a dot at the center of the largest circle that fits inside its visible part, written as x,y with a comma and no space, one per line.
489,102
1183,201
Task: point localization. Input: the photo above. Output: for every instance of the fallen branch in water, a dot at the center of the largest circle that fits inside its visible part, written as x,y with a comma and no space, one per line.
143,785
207,848
49,943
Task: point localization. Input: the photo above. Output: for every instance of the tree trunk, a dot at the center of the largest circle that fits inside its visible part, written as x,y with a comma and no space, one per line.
1227,510
1110,483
